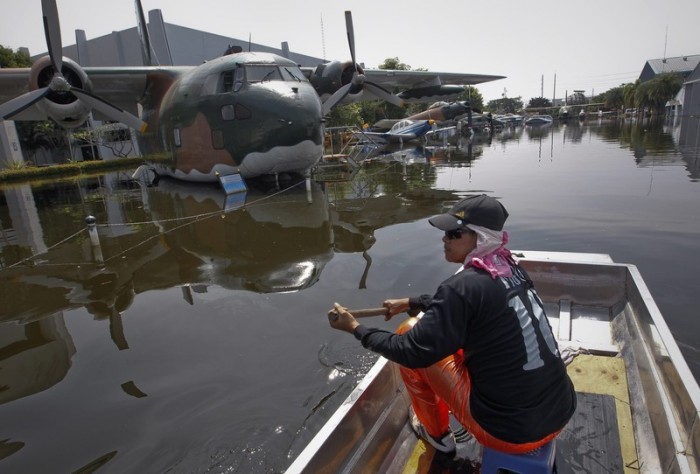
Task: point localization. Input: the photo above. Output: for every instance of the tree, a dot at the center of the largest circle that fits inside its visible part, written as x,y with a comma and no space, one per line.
615,98
598,98
473,96
628,93
506,105
654,93
47,134
537,102
9,58
395,64
577,98
114,136
343,115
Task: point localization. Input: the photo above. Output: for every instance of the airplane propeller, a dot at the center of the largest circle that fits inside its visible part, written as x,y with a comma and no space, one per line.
358,81
144,37
59,84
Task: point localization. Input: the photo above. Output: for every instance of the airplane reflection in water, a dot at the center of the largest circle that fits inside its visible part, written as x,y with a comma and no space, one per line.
278,242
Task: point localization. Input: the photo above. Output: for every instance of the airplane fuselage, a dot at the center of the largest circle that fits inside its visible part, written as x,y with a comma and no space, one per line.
251,113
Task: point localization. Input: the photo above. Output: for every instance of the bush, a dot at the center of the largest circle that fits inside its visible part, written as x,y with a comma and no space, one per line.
28,172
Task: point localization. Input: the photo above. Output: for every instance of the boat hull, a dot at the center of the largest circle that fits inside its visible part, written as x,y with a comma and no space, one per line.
595,306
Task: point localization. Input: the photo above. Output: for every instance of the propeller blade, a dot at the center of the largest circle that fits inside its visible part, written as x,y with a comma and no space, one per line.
52,30
110,110
351,36
337,96
18,104
383,94
144,37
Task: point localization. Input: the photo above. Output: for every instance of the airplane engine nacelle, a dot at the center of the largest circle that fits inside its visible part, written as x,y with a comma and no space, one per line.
63,107
329,77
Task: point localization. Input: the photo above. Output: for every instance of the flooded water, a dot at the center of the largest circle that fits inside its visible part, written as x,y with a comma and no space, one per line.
194,338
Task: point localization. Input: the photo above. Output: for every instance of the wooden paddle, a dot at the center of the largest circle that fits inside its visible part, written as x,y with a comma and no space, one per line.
369,312
360,313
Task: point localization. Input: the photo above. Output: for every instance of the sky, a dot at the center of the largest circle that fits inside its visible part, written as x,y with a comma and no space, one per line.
544,48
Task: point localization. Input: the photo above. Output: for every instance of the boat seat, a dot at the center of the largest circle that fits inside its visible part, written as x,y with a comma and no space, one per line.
538,461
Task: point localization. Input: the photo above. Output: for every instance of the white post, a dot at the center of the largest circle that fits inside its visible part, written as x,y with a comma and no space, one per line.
94,238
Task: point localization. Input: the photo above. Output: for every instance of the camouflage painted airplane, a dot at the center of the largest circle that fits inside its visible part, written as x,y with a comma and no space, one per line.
248,113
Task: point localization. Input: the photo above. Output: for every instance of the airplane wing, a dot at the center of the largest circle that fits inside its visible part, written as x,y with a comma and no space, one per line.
126,86
342,82
121,86
13,83
418,79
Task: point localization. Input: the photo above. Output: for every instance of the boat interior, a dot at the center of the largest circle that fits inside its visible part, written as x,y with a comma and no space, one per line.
637,405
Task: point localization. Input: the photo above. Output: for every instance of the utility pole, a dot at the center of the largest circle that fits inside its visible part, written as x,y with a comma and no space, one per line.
542,86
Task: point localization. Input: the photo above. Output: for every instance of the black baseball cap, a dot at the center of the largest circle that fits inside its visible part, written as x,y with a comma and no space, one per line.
481,210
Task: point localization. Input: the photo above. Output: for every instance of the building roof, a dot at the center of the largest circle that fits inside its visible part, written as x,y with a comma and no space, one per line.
172,45
681,64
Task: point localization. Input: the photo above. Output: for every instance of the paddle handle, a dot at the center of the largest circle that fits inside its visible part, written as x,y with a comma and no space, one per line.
365,313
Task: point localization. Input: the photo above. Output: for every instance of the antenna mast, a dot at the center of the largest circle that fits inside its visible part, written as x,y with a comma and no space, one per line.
323,39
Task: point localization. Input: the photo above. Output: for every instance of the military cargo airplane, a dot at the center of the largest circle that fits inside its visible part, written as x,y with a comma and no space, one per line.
248,113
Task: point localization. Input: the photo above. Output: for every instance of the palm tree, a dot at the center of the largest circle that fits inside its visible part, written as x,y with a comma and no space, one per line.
655,92
628,92
615,98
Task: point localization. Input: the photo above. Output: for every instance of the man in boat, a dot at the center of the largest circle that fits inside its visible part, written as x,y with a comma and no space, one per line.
483,348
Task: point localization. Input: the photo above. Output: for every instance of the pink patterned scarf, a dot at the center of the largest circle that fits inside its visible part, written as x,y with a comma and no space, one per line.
490,253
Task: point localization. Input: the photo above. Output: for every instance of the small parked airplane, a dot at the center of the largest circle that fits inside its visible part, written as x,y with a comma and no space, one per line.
247,113
402,131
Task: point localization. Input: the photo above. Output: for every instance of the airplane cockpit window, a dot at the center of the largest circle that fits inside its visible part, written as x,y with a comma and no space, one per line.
293,74
262,73
227,78
210,86
238,79
272,72
230,81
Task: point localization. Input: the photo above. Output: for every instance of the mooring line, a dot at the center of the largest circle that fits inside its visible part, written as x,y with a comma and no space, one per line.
47,250
189,220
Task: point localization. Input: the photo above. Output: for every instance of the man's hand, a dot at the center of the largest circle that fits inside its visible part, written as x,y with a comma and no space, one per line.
340,318
395,306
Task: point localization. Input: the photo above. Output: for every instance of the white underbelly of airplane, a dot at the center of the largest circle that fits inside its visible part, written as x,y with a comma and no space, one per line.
297,158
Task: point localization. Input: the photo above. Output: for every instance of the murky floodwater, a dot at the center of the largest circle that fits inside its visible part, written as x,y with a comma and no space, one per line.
194,339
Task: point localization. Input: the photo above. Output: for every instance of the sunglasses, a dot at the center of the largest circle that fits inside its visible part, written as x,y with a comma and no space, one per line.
454,234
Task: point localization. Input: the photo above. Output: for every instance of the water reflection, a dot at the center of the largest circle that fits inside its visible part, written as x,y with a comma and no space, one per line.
179,234
689,142
42,349
275,248
174,235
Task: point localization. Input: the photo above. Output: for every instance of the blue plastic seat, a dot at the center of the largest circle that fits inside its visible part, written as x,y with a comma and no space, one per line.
539,461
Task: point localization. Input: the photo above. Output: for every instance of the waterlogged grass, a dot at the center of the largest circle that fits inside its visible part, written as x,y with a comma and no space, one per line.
19,172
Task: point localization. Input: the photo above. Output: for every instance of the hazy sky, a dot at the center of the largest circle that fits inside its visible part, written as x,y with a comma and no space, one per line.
591,45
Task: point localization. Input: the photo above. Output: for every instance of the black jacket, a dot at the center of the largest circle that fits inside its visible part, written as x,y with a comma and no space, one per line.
520,389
